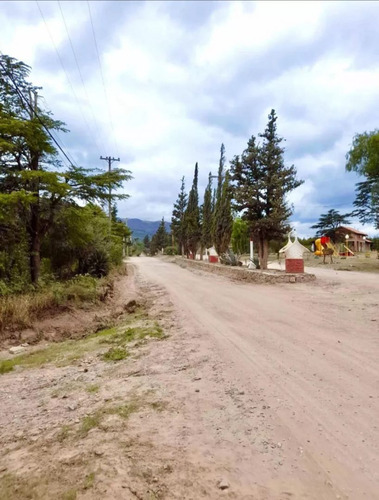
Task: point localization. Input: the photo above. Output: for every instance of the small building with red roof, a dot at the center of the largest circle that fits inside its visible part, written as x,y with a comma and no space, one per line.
355,240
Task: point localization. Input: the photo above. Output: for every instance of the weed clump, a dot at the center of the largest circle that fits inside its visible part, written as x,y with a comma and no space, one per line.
93,388
6,366
115,354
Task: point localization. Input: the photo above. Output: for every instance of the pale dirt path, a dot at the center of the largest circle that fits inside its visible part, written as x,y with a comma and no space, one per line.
308,353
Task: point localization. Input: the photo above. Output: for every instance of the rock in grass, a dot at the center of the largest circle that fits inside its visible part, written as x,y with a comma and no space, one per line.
16,349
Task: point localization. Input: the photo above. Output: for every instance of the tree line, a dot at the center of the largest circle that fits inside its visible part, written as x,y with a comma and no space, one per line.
250,199
51,216
255,186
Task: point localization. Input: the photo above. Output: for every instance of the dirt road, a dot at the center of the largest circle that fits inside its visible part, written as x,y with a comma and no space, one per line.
302,361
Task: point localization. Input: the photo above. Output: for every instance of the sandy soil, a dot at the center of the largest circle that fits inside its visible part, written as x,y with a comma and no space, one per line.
272,390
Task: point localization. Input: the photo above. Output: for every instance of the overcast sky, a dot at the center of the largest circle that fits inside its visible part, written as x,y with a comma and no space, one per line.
162,84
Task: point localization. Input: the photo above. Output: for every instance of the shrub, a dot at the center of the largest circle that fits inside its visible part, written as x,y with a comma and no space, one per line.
171,251
96,263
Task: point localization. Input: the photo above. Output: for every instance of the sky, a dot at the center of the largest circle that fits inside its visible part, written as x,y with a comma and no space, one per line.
161,85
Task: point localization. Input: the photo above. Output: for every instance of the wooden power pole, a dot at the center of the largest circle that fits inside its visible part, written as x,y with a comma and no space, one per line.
110,161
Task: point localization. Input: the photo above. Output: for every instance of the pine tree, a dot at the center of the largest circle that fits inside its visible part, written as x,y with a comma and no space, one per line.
223,220
177,219
329,222
192,229
161,236
261,183
207,216
146,243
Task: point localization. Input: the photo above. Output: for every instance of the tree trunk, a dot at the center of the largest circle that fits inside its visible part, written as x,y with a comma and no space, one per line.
201,252
35,244
35,224
263,252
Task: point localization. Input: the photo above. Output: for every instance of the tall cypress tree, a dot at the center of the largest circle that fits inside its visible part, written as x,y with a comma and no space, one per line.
223,220
206,230
192,227
177,219
218,192
261,183
220,173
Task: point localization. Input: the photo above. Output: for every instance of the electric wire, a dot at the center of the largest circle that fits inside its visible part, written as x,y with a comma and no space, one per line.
67,76
27,105
102,79
57,134
79,70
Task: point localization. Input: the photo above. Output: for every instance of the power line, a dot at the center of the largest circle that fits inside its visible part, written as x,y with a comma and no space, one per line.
64,146
28,106
102,77
79,70
87,126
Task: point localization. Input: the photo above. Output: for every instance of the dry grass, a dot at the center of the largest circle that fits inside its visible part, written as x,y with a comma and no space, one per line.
359,263
19,311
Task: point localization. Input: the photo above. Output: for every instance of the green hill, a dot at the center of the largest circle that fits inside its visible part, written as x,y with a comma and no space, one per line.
141,228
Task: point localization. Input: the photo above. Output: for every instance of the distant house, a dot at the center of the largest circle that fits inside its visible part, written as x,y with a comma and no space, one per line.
354,239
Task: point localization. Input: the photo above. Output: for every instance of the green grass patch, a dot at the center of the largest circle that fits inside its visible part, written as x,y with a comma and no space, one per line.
89,481
90,422
71,494
121,336
93,388
95,419
115,354
66,352
6,366
61,354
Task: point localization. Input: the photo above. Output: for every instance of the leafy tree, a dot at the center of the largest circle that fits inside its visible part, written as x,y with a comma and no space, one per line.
375,244
206,228
31,176
240,236
363,158
329,222
177,219
261,183
223,220
192,229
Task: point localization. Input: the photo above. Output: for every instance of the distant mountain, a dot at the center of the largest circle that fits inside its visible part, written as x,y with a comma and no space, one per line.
141,228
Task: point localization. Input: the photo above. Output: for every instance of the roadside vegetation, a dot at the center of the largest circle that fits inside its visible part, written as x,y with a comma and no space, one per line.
57,244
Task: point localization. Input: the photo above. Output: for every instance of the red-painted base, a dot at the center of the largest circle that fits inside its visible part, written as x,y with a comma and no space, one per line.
294,266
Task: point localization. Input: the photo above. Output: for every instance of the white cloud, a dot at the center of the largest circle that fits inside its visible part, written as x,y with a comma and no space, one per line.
176,90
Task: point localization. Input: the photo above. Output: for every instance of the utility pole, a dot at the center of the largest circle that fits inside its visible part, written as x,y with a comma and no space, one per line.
110,161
